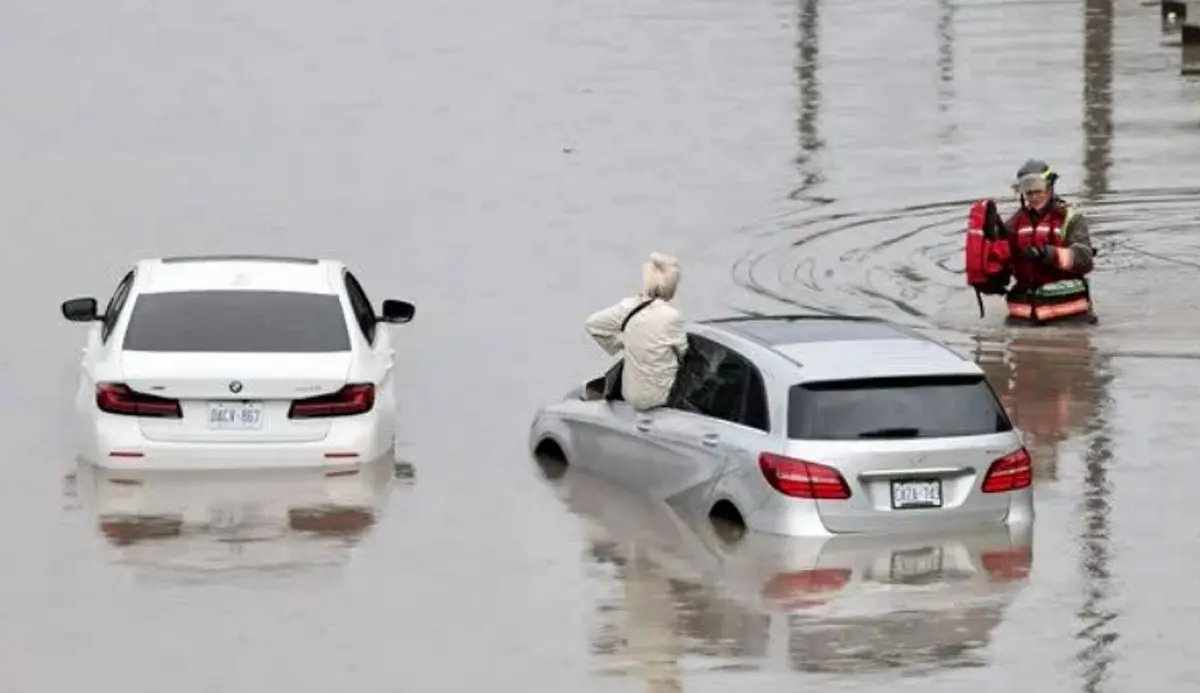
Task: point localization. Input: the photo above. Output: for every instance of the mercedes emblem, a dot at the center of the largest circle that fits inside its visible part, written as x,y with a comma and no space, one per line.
235,386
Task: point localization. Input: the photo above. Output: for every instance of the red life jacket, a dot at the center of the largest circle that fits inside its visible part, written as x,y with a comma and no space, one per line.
1043,291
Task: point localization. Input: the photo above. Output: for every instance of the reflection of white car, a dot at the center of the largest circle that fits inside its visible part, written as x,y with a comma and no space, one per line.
233,361
908,595
183,526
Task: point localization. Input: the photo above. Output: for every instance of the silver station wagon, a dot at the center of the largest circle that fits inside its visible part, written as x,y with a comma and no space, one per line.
808,425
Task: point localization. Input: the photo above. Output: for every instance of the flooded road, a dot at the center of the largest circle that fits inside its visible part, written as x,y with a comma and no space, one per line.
507,168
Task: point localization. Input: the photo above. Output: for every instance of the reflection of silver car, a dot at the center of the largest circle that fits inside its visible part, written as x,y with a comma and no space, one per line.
810,425
850,603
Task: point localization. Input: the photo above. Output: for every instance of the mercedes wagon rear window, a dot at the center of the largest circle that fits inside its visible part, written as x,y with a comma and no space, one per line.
892,408
237,321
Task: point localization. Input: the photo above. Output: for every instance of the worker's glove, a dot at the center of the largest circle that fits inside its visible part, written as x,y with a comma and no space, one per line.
993,225
1040,253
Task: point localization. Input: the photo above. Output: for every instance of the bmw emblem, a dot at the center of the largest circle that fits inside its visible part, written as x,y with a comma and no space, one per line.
235,386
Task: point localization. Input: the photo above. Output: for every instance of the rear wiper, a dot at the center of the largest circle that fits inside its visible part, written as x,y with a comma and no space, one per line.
891,433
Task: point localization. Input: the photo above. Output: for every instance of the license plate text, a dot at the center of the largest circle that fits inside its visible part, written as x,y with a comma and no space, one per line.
235,416
925,493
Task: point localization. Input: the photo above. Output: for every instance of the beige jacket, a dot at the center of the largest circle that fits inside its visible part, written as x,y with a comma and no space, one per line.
654,342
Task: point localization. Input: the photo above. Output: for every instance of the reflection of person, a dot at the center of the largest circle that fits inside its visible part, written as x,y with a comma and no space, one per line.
1049,385
1052,252
651,625
649,330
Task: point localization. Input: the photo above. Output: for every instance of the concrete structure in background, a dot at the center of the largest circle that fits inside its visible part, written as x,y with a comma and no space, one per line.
1174,10
1190,40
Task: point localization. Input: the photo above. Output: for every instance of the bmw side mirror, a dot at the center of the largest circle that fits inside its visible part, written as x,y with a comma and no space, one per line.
80,310
397,312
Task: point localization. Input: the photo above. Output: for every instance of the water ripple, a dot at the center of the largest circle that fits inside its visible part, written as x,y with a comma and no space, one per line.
906,262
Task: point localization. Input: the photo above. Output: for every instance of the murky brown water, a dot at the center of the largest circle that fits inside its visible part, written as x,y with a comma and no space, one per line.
507,167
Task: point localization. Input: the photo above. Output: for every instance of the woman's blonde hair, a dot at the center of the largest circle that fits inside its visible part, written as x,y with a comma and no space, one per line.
660,276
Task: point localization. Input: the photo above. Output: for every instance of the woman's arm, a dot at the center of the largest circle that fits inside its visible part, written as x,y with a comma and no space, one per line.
677,336
604,326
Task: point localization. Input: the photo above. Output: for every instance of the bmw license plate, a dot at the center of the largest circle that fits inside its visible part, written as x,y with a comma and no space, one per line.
235,416
917,493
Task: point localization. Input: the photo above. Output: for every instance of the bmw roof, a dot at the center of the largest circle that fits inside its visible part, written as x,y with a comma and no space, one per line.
244,272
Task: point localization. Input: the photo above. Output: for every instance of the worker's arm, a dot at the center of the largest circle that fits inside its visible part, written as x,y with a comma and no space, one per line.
1078,255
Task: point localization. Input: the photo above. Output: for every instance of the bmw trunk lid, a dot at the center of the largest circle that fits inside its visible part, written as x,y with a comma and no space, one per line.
232,397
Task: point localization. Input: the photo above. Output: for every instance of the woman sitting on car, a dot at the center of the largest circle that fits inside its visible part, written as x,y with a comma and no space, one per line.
650,331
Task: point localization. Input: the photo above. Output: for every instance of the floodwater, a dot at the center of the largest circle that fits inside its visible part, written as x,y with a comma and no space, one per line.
507,166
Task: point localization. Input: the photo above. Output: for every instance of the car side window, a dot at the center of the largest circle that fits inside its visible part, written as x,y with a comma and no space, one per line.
363,313
112,312
755,413
718,382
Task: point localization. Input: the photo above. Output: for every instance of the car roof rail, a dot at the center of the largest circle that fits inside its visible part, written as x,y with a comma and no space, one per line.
240,257
747,317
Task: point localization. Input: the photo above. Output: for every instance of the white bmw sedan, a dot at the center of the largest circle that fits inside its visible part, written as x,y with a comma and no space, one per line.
224,361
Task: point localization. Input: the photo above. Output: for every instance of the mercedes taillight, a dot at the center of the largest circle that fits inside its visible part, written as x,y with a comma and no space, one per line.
1008,565
1012,472
805,588
803,479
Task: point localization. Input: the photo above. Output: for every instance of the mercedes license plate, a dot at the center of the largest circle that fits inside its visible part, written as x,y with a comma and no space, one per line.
922,493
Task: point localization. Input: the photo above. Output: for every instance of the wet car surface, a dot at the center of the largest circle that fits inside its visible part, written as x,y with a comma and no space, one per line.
806,426
507,168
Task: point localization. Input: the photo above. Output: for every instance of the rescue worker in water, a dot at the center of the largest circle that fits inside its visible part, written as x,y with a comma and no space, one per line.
1051,253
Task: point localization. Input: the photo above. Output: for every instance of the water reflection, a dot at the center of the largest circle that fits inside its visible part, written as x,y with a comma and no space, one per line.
221,526
683,593
911,606
945,63
1096,613
1050,380
807,65
1056,385
1097,96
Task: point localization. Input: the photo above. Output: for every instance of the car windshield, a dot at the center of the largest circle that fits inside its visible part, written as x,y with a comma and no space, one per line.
237,321
908,407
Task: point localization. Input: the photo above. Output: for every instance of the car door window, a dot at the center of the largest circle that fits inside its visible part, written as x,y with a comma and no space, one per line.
112,312
755,413
693,373
718,382
363,313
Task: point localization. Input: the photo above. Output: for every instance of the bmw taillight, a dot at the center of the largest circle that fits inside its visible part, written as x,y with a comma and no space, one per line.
348,401
117,398
803,479
1012,472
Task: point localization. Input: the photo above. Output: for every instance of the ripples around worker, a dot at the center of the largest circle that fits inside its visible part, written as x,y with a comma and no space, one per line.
650,331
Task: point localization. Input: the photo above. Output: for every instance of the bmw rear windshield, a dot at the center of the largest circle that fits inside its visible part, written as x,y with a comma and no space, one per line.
237,321
897,407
